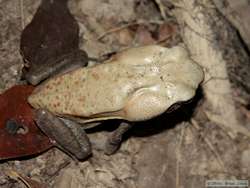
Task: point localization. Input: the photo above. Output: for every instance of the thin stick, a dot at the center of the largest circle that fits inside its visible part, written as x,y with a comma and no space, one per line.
178,158
195,124
161,7
21,13
115,29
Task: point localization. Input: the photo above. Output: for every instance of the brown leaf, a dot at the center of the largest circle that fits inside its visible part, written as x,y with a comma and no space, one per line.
125,36
53,32
143,36
15,110
166,31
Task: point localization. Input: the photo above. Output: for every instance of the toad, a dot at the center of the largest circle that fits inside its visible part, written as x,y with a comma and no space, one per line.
134,85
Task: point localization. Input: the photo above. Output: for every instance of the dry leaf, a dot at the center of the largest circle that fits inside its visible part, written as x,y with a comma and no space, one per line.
19,136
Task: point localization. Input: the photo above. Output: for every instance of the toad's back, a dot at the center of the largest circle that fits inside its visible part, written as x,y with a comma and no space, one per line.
88,91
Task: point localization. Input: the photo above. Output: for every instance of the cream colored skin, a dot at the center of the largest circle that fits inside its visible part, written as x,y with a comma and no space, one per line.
135,85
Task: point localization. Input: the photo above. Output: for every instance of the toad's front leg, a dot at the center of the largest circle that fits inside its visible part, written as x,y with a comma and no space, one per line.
69,135
115,139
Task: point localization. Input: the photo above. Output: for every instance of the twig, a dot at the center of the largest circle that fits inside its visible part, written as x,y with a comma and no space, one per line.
178,158
213,78
62,166
162,9
22,13
194,123
115,29
28,182
14,175
163,40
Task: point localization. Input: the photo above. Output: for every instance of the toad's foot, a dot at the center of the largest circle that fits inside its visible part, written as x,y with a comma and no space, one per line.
114,140
69,136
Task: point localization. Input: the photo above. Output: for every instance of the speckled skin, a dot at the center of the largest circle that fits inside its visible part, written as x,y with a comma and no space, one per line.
136,84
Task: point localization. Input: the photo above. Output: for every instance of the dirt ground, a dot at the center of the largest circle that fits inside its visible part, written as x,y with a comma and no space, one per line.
206,139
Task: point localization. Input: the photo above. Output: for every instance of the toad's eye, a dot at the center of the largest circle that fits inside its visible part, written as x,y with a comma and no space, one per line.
174,107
